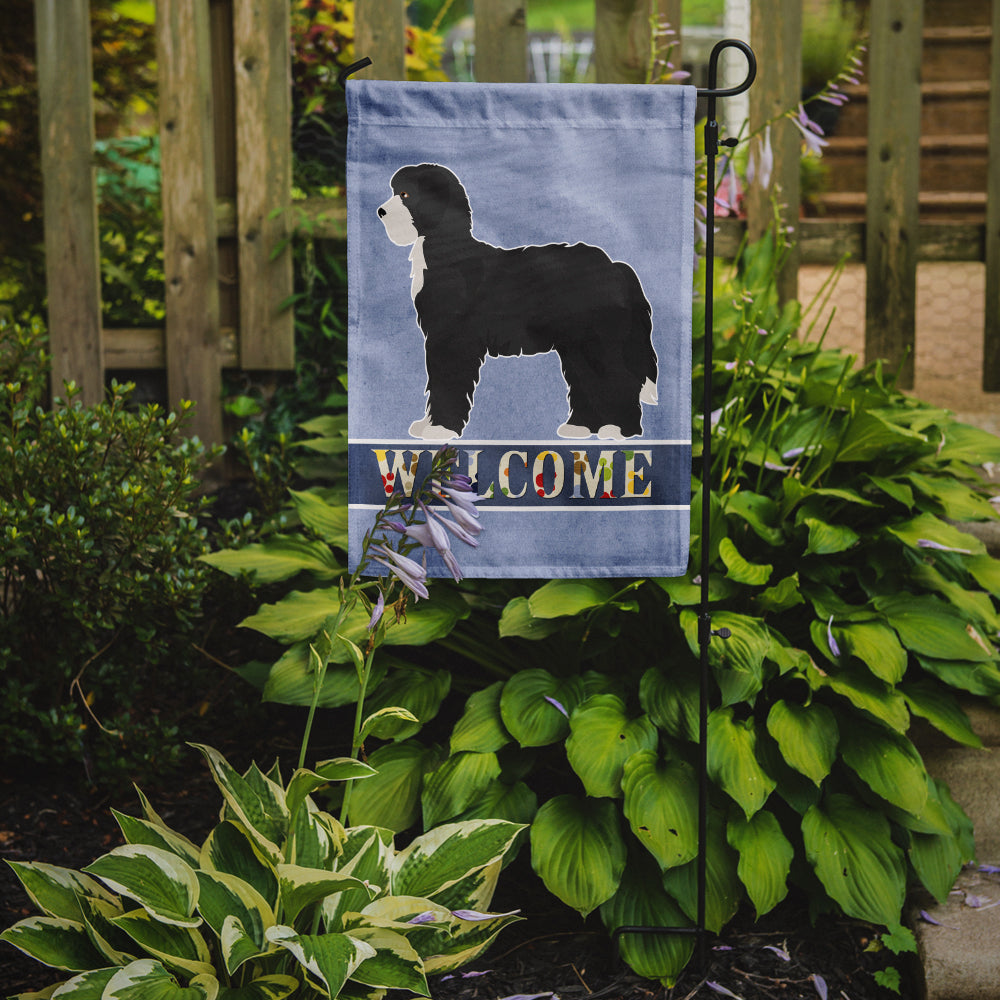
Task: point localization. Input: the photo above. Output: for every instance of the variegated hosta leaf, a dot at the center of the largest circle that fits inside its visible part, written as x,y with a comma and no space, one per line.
535,706
300,887
602,737
256,801
888,763
54,941
578,851
661,799
441,857
149,980
850,847
642,902
329,959
225,897
732,760
87,986
456,784
177,947
481,727
158,880
807,736
476,890
304,782
315,838
395,964
56,891
467,940
765,858
274,987
230,849
141,831
116,947
367,853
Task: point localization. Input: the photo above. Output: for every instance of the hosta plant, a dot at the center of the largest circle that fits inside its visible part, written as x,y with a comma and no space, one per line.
279,900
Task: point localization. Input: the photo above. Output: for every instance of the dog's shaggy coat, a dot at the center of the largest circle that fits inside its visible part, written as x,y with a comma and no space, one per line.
473,300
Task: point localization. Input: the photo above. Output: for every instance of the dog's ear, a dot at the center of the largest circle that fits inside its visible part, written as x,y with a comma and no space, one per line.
439,204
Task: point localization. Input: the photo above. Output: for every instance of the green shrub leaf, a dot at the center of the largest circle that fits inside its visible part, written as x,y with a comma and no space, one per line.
279,558
328,520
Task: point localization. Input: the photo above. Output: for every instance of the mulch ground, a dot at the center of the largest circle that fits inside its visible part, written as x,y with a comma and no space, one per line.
552,952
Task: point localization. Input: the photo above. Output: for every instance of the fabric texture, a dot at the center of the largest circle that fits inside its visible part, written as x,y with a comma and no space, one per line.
520,261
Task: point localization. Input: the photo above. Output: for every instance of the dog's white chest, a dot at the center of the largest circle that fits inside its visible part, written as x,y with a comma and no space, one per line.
417,267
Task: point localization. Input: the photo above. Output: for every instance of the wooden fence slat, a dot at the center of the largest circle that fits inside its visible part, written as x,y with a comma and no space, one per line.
991,332
501,41
380,34
190,253
893,184
262,61
776,36
72,256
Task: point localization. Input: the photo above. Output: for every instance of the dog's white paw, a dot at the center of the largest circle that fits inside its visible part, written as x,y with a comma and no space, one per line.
647,394
418,427
610,432
574,431
433,432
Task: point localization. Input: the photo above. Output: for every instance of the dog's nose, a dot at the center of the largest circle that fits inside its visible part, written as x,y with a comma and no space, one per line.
381,213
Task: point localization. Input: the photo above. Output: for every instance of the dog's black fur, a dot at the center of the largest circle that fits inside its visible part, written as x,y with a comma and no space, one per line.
475,300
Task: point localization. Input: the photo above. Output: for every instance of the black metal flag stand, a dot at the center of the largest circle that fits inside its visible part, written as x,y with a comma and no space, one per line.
705,631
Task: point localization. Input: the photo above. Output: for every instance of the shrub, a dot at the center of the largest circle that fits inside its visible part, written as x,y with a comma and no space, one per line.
99,539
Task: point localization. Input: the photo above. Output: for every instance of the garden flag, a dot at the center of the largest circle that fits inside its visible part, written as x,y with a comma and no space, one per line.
520,274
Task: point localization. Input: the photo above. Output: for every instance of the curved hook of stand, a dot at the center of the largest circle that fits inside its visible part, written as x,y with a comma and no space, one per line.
353,68
713,69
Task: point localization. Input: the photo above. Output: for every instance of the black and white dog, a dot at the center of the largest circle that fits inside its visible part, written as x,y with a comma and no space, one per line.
473,300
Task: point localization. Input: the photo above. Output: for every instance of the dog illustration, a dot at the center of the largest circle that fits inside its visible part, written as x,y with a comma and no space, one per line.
473,299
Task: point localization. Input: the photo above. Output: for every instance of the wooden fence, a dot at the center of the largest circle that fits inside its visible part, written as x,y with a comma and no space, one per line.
226,161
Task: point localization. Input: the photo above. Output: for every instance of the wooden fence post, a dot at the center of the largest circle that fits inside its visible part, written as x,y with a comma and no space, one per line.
893,183
623,37
190,252
72,256
262,60
991,333
776,35
380,34
501,41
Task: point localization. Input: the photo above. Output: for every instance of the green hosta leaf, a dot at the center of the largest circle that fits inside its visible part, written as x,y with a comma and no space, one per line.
941,709
986,571
415,689
279,558
141,831
481,728
54,941
765,858
758,511
558,598
602,738
528,710
443,856
230,849
225,897
888,763
869,436
783,595
965,443
661,798
330,959
931,628
159,881
641,901
957,501
275,987
386,723
732,760
723,889
876,646
56,891
928,528
456,784
327,520
850,847
976,678
515,803
578,851
807,736
291,680
976,605
865,692
260,809
395,964
937,860
827,539
147,979
738,661
671,699
739,569
301,887
518,621
180,948
893,488
391,798
683,591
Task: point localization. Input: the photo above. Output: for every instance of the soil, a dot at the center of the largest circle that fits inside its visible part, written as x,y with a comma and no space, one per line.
551,952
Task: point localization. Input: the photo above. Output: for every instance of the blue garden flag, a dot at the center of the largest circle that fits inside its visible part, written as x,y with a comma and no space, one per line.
520,273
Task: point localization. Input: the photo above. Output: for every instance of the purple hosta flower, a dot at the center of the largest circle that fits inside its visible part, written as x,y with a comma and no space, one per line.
990,869
461,497
834,648
475,915
439,540
719,988
427,917
820,983
558,705
927,543
411,574
927,918
728,195
377,612
465,975
760,166
811,132
463,527
780,952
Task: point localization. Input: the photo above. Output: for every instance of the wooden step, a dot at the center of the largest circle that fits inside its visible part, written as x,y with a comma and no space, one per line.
956,53
957,206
